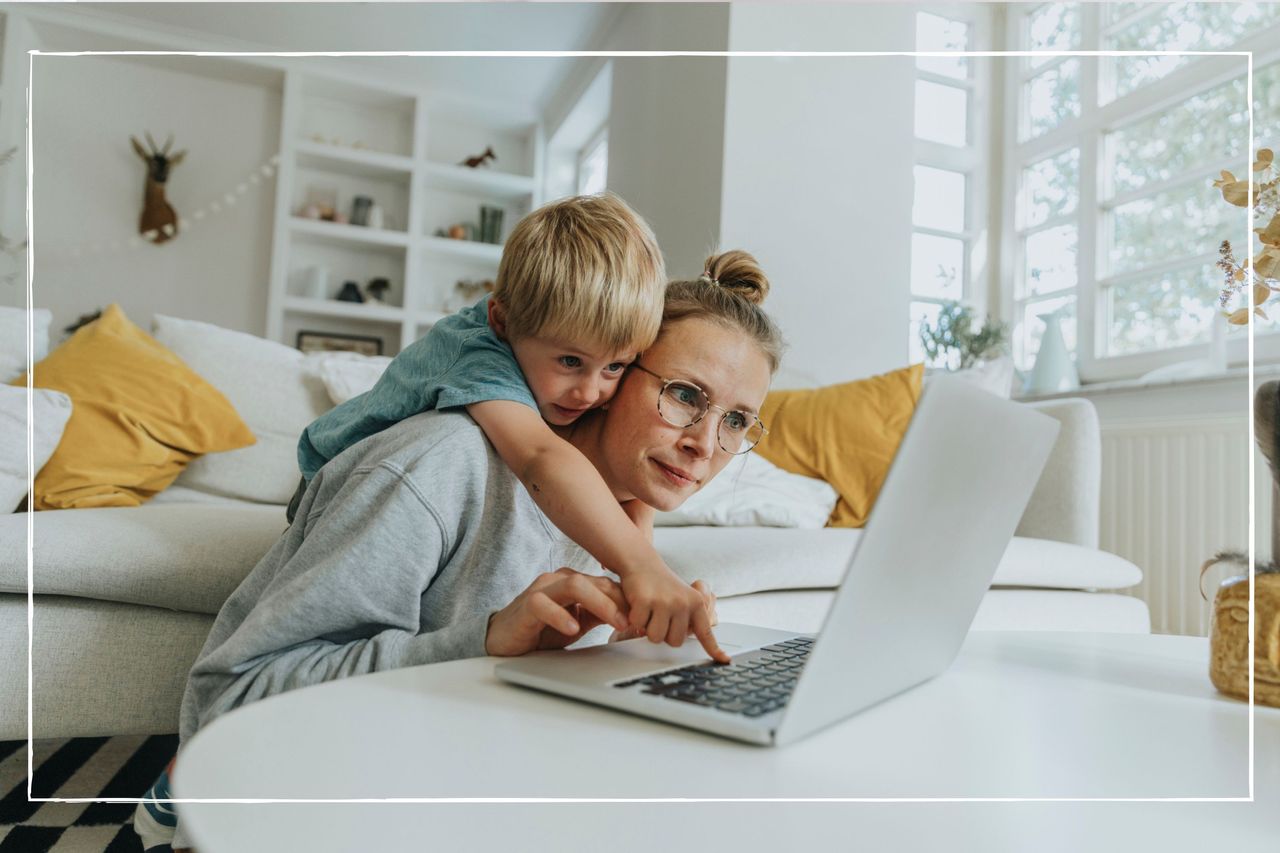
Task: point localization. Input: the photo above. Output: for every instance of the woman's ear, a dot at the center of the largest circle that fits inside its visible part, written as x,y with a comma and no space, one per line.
498,318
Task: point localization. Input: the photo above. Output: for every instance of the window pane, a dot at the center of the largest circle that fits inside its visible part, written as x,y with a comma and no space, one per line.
934,32
1053,27
1188,220
1050,188
937,266
1208,128
1051,261
1160,311
942,113
1030,329
939,199
1266,106
1181,26
922,311
1120,11
594,169
1052,97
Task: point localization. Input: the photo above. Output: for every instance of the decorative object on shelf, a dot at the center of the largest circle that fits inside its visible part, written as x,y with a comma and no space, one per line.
466,291
358,145
159,221
1229,630
959,340
321,203
480,159
1264,279
360,210
459,231
338,342
491,223
350,292
377,289
375,218
315,282
225,200
1054,369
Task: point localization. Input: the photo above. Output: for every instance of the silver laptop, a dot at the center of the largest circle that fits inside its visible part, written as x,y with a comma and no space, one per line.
945,514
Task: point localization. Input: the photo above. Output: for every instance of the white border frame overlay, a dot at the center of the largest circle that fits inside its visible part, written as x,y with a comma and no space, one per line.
628,54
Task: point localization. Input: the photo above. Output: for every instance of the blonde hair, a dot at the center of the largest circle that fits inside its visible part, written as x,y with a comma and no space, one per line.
585,268
728,292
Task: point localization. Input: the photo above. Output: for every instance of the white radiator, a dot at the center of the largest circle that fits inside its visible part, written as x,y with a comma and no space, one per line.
1173,494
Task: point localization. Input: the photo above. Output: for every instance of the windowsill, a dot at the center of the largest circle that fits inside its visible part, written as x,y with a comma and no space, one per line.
1130,386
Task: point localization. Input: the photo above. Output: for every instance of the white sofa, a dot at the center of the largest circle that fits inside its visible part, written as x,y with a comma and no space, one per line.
124,597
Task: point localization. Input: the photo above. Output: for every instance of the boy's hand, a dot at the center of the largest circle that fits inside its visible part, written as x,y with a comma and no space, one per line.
666,609
708,598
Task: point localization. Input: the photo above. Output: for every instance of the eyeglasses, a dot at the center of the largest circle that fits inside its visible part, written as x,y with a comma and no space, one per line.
683,404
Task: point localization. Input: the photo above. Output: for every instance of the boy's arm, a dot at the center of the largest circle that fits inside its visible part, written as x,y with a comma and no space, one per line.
566,486
641,515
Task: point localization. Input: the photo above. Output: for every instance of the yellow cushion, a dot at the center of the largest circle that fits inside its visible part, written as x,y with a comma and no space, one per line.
138,415
845,434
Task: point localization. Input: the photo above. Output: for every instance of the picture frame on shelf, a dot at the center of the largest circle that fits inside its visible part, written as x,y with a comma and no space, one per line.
313,341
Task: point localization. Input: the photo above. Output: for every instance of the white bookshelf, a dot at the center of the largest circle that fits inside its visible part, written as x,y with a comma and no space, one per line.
402,149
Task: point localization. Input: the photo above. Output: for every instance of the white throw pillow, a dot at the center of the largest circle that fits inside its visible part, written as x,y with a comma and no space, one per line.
49,413
753,492
995,376
13,340
349,374
274,388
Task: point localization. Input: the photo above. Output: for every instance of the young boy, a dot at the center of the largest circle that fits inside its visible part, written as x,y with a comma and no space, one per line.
579,295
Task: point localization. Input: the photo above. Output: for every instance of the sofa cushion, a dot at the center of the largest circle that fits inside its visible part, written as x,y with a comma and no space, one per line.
49,413
13,339
846,434
181,556
740,560
139,415
192,556
751,491
275,388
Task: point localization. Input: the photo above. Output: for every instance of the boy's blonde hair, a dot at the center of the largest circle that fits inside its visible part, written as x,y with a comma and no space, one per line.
585,268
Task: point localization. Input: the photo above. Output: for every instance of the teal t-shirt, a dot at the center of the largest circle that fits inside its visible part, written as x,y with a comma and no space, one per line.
460,361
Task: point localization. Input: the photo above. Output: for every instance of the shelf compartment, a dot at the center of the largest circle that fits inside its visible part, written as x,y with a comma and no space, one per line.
353,235
362,163
360,312
465,249
341,113
479,182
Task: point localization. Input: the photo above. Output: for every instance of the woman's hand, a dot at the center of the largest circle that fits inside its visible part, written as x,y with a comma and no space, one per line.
554,612
708,598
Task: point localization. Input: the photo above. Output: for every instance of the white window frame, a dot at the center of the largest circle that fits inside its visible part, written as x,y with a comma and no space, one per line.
973,159
600,136
1088,132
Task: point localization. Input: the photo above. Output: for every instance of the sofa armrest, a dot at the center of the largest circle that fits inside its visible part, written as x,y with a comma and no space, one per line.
1065,504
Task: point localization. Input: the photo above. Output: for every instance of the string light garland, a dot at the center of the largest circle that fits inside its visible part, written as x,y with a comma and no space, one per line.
227,200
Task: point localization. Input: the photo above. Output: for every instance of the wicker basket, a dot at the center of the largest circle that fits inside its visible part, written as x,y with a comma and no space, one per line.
1229,636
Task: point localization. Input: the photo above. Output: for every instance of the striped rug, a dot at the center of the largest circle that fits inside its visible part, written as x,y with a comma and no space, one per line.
77,767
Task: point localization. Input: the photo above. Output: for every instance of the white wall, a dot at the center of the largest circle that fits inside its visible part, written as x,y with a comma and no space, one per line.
88,186
818,179
666,127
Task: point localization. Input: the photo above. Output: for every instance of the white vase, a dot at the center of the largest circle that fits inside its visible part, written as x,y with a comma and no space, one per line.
1054,369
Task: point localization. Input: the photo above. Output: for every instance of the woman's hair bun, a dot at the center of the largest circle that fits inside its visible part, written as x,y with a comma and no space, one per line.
738,271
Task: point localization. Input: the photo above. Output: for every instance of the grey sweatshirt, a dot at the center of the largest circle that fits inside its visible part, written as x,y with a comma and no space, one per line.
402,547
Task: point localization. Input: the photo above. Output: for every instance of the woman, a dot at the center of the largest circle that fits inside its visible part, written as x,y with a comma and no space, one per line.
419,545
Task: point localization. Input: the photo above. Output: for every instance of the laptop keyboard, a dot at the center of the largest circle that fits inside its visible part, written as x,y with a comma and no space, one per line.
754,684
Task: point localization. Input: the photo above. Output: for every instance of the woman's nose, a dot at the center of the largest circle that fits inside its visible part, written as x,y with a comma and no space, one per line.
699,440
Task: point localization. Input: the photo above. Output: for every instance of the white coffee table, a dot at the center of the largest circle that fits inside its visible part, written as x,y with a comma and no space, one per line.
1019,715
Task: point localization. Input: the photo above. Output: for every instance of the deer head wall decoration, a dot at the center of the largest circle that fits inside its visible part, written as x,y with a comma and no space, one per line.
159,221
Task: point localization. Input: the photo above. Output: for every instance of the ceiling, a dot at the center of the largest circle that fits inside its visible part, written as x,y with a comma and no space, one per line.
400,26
